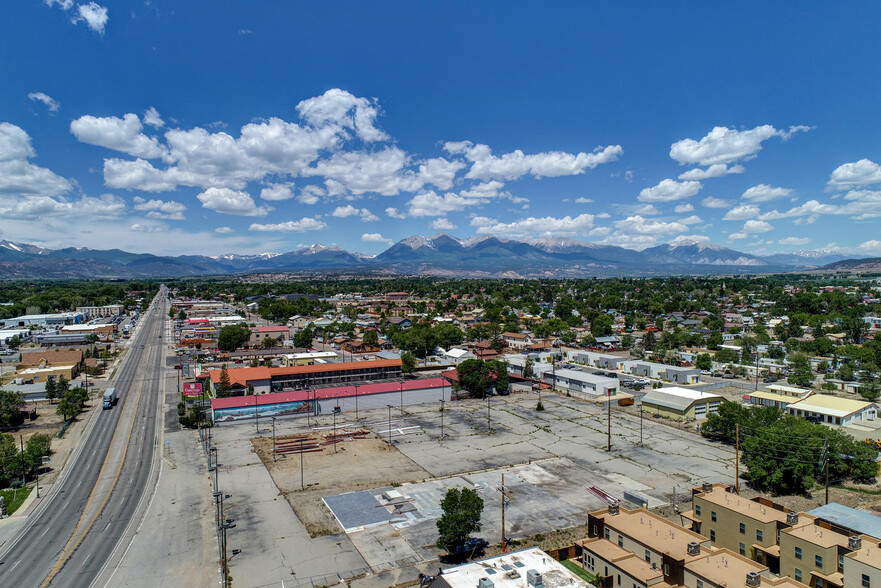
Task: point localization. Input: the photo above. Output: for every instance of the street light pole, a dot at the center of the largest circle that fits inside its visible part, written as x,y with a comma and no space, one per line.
442,421
402,399
302,486
256,417
334,431
609,423
489,426
389,425
356,403
273,438
640,424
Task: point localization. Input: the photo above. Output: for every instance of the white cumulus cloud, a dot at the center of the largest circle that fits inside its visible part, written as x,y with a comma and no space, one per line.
864,172
152,118
669,190
394,212
94,15
756,226
226,201
764,193
349,210
539,227
299,226
47,100
120,134
165,209
637,225
442,224
510,166
714,171
742,212
724,145
713,202
431,204
683,208
276,192
794,241
18,176
223,230
375,238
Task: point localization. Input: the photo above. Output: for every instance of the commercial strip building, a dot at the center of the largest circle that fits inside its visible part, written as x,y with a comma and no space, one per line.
100,311
528,568
265,380
43,320
778,395
637,548
576,382
343,399
834,410
828,547
680,404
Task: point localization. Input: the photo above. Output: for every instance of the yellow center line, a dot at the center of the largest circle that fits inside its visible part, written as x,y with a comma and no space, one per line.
67,552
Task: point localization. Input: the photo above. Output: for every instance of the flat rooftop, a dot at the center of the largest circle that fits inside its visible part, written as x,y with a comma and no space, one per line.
748,508
860,521
627,562
831,405
817,535
723,567
652,530
509,571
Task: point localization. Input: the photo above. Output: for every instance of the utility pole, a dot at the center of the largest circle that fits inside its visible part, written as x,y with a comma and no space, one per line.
442,421
504,492
256,417
402,400
826,467
273,438
757,369
21,441
489,426
334,430
389,425
737,459
356,403
609,421
302,485
640,424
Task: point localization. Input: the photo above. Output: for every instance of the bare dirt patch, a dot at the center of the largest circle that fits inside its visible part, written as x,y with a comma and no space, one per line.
358,464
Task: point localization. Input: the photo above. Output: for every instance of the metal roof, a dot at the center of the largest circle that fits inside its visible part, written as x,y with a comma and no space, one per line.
854,519
677,398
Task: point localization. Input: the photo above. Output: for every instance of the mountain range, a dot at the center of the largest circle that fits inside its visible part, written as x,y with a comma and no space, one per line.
441,255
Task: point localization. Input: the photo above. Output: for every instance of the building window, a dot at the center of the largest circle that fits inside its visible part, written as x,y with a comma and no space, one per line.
818,582
758,534
648,556
713,515
840,562
742,549
713,536
818,561
620,541
866,581
697,509
797,575
606,532
700,584
619,579
742,528
798,553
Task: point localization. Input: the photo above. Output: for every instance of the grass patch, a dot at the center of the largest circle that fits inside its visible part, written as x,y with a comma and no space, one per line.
860,490
14,498
579,571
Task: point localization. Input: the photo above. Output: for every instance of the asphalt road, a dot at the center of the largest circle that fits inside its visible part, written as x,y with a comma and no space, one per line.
46,550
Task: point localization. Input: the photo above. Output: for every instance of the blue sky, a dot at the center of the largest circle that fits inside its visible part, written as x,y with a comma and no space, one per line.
217,126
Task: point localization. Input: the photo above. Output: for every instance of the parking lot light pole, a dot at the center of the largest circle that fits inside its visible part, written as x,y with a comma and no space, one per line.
640,424
489,426
442,421
356,403
273,438
389,425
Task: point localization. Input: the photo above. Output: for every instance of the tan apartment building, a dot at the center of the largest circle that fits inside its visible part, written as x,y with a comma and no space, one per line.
639,549
748,527
862,566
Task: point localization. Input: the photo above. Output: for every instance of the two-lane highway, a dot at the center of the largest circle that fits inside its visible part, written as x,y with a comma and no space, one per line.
75,529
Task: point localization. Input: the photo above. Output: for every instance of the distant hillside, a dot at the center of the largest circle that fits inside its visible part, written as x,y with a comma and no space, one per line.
441,255
871,264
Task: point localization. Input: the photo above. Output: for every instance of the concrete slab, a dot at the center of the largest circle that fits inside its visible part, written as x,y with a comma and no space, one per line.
355,510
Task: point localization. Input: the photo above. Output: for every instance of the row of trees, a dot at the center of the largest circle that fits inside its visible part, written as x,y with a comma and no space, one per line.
785,454
16,465
478,377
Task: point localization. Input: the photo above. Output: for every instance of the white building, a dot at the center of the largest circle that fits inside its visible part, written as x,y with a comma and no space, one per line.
575,381
100,311
833,410
528,568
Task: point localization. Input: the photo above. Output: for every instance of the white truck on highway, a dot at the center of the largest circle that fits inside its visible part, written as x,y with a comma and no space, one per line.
109,398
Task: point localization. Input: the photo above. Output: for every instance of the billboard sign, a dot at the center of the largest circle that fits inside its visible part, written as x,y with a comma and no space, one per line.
192,389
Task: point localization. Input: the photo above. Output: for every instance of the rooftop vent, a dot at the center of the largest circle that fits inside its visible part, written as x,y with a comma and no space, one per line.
706,487
485,583
533,578
791,518
854,542
753,579
694,548
613,509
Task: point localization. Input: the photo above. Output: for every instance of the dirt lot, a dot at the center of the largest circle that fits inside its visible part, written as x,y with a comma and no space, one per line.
358,464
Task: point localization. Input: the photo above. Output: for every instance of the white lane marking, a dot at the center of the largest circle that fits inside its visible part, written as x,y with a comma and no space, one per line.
46,531
13,566
85,561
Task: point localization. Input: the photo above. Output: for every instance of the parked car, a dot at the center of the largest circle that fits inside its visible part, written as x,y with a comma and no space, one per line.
769,380
728,376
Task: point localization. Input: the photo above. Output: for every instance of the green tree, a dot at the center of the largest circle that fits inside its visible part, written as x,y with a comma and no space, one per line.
269,343
474,377
303,339
34,450
801,374
499,372
51,393
371,338
222,390
11,404
231,337
703,361
10,467
67,408
15,341
460,518
601,325
447,335
408,362
528,368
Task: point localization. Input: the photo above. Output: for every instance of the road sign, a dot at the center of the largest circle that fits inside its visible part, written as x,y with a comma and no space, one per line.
192,389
